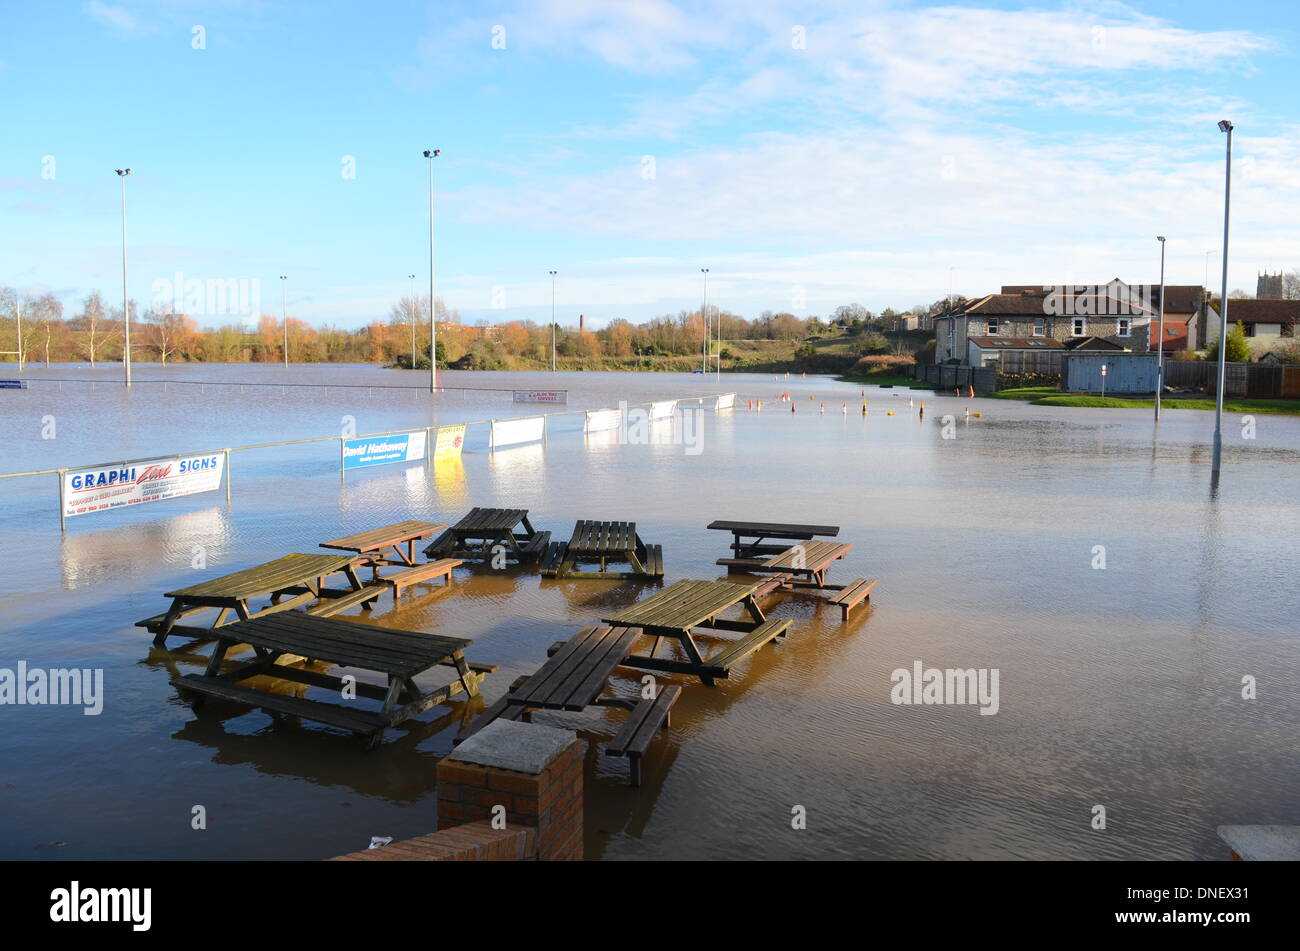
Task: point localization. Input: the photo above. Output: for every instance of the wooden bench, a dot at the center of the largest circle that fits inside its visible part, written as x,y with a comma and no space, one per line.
654,560
771,585
328,607
434,569
551,560
364,722
536,547
852,595
639,728
736,651
503,709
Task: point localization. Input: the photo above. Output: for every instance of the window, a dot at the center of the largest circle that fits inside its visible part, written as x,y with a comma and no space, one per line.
1040,326
1125,327
1249,329
1079,328
992,327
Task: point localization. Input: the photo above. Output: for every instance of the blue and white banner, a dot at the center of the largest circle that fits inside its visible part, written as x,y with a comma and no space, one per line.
96,490
380,450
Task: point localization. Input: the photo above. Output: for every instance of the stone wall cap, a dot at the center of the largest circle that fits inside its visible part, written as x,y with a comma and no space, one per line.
1263,843
513,745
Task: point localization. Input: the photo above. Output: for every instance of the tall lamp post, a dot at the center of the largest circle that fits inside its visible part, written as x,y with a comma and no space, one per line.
1160,333
122,173
704,314
415,313
552,273
1226,127
284,319
431,154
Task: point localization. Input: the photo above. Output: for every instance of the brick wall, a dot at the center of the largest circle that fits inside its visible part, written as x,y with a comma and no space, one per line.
475,841
549,802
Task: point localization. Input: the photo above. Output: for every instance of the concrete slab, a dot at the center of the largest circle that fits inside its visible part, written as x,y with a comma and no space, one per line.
1263,843
512,744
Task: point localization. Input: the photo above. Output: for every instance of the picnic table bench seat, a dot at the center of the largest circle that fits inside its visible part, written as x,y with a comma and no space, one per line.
481,530
736,651
646,718
606,544
328,607
441,568
853,594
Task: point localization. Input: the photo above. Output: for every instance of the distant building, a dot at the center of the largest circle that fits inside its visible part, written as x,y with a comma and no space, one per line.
1266,323
1269,286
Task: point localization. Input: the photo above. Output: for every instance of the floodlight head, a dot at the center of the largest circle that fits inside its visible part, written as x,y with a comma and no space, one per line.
1160,238
1225,125
430,153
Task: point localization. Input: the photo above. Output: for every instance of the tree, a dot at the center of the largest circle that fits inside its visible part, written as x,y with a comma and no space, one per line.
1238,350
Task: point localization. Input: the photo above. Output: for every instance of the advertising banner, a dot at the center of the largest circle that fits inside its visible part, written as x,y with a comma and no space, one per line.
509,432
380,450
449,441
541,396
725,401
663,410
97,490
603,419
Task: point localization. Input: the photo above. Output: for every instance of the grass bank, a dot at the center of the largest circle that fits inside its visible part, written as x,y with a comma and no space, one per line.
1047,396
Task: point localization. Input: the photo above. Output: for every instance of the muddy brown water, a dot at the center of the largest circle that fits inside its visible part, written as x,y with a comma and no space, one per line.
1119,687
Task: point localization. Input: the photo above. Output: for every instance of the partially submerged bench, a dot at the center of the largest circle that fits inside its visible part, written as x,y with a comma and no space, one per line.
603,543
481,530
851,595
574,678
428,571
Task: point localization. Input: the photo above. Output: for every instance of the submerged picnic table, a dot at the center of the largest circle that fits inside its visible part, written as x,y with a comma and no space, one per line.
373,546
574,678
399,655
475,535
301,577
604,542
681,607
749,545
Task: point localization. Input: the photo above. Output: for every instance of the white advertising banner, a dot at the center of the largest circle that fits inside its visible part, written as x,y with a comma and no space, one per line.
600,419
509,432
541,396
663,410
97,490
725,401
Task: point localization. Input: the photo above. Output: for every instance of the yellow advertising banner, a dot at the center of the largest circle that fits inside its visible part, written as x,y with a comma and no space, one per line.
450,441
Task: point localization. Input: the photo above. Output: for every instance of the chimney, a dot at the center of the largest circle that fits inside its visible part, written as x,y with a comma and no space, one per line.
580,323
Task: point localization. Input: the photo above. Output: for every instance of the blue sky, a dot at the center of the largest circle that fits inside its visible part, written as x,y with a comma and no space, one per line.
809,154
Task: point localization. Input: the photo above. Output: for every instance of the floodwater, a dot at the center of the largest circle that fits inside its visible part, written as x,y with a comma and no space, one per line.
1119,687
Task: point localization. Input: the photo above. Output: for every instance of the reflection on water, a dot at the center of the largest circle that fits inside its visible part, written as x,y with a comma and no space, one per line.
1119,686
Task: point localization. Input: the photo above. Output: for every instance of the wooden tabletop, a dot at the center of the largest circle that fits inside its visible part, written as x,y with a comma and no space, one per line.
775,529
490,520
576,675
683,605
811,556
598,538
263,579
364,646
379,538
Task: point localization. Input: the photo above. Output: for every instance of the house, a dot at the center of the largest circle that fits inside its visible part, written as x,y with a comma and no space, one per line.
1267,323
1114,311
988,351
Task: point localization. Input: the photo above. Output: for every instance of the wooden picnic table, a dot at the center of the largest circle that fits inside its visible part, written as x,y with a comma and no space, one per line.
374,542
482,529
686,605
399,655
574,678
808,561
749,545
605,543
300,577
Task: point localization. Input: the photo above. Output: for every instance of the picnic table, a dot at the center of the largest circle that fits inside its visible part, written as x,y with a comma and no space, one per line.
605,543
574,678
397,654
373,543
373,546
681,607
299,577
482,529
749,545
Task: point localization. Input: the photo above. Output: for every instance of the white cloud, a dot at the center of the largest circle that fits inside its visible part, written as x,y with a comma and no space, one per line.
117,17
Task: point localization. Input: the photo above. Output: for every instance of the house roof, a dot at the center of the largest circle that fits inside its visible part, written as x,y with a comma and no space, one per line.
1182,298
1262,311
1092,343
1037,304
1175,334
1017,343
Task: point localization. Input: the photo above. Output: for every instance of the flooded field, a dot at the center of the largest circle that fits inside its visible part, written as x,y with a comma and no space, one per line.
1119,686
